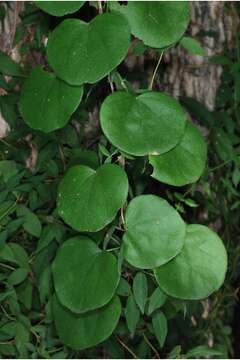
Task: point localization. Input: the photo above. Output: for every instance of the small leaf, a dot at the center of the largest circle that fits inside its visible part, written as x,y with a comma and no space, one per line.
123,288
60,8
192,46
175,353
44,285
160,327
10,67
31,223
17,276
157,299
203,351
8,169
132,314
140,290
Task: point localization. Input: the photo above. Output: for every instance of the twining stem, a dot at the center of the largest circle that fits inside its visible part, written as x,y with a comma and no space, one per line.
127,348
220,165
151,346
155,71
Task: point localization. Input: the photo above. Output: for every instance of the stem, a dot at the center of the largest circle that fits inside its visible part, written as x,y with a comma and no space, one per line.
100,9
113,249
155,71
7,266
126,347
221,165
151,346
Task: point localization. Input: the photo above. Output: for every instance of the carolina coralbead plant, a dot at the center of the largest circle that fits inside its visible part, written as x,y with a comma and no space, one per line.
188,261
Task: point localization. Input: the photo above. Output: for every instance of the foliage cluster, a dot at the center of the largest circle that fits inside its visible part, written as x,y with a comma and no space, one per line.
90,253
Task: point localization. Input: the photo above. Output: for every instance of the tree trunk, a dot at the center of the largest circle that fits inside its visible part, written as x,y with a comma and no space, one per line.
188,75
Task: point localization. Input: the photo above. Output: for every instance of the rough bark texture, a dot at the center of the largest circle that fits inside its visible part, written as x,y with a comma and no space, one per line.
195,76
7,34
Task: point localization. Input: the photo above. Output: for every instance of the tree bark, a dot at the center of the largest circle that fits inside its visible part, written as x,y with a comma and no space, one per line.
215,27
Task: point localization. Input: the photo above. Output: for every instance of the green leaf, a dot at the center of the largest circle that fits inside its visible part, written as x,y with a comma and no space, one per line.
89,329
88,200
44,285
198,270
83,157
155,232
140,290
160,327
82,52
157,299
25,293
17,276
203,351
185,163
123,288
8,169
14,253
132,314
10,67
157,24
54,100
192,46
31,223
151,123
59,8
21,340
85,277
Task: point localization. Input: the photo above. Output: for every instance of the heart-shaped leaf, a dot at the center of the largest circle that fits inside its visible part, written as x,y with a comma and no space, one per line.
88,200
46,102
59,8
199,269
82,52
157,24
154,232
81,331
185,163
85,277
151,123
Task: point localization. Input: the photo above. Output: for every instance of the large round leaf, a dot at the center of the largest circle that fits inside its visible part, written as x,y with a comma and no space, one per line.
80,52
88,200
154,232
151,123
185,163
46,102
59,8
85,277
199,269
89,329
157,24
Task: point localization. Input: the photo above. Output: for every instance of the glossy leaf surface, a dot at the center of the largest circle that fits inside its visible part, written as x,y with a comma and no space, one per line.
88,200
185,163
86,330
154,232
46,102
151,123
82,52
85,277
199,269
